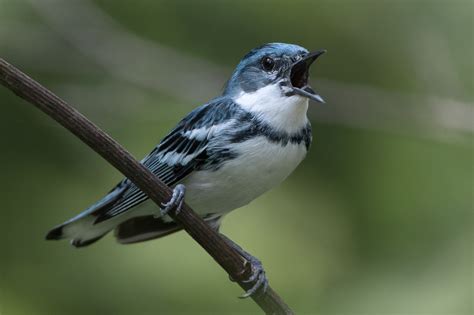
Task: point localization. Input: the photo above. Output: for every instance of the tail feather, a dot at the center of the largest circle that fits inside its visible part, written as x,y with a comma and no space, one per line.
81,232
82,229
82,243
55,233
143,228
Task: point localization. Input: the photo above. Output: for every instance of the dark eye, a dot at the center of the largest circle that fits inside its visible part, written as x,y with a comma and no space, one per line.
268,63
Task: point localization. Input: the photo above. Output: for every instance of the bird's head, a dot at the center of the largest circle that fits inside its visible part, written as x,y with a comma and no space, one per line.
284,65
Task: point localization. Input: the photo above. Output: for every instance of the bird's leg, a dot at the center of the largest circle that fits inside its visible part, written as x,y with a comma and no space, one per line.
258,273
176,201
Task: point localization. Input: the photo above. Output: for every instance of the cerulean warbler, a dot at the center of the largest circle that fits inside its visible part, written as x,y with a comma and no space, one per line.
222,155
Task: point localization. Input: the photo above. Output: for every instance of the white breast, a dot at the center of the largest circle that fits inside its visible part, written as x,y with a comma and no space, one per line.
284,113
260,166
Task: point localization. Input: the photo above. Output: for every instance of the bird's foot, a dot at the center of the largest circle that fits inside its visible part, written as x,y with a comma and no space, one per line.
257,277
176,201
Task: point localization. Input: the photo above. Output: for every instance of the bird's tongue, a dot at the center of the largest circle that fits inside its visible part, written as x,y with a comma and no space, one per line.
299,76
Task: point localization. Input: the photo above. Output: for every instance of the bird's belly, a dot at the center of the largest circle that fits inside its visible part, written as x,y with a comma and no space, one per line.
260,166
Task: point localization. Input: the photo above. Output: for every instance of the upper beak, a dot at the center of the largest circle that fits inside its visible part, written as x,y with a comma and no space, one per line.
299,74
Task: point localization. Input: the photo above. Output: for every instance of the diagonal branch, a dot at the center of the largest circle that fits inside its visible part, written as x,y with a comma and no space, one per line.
122,160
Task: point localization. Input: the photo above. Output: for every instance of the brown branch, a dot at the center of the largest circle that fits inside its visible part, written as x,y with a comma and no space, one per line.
122,160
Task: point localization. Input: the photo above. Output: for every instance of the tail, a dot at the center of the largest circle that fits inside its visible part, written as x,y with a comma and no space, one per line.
82,230
55,234
145,228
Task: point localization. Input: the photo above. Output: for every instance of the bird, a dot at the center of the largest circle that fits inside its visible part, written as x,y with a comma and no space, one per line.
219,157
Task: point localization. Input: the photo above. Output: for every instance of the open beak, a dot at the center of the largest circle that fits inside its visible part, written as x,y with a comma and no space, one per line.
299,74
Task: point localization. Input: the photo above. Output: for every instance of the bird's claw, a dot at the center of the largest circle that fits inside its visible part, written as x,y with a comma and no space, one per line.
176,201
258,276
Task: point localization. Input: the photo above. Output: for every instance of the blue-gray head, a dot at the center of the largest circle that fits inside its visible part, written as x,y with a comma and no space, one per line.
276,63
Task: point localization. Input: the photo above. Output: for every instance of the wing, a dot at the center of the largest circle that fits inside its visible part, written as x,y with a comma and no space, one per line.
181,152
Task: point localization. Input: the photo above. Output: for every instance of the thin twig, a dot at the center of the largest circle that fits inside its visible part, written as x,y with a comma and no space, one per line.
122,160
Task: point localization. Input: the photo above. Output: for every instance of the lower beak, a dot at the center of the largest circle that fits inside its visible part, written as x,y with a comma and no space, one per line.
299,75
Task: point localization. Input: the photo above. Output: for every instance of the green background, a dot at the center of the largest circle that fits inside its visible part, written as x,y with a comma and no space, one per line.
377,220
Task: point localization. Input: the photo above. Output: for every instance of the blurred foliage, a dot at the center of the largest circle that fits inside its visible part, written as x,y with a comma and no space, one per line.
371,223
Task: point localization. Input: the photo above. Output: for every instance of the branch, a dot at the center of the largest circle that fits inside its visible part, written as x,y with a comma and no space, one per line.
122,160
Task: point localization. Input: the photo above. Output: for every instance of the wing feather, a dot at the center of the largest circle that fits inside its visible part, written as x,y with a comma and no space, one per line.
178,154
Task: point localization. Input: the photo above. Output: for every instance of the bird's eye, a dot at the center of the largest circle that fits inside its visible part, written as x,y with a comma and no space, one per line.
268,63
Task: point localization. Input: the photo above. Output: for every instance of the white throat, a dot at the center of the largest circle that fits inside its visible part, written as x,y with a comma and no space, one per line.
285,113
